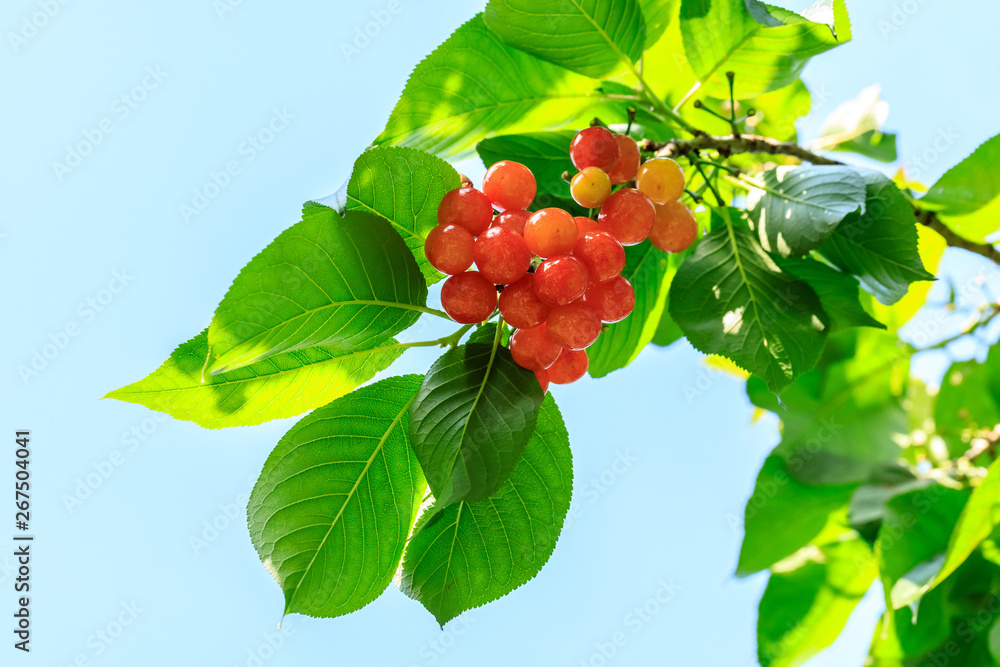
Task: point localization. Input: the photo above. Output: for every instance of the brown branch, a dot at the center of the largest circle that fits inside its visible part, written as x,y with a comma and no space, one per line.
749,143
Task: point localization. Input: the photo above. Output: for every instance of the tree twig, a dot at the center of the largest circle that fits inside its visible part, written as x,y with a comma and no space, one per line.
749,143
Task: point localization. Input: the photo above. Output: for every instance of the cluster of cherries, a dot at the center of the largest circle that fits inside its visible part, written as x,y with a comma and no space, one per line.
559,276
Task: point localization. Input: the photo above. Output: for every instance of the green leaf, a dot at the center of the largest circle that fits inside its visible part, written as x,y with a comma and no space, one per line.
967,196
840,422
730,298
977,521
969,401
650,271
803,610
592,37
765,46
783,515
800,207
856,126
880,146
281,386
667,332
471,420
404,186
342,282
879,246
657,15
473,86
916,529
334,504
838,292
545,153
471,553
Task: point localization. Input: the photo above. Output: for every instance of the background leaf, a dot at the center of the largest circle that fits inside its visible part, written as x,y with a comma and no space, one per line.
336,499
405,187
803,205
967,196
471,553
592,37
838,293
473,86
879,246
343,282
730,298
280,386
856,126
471,420
546,154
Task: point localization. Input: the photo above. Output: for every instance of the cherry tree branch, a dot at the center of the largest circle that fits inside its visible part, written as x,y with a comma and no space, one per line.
750,143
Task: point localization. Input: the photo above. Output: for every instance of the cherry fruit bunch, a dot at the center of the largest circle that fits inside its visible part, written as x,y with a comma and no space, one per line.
558,276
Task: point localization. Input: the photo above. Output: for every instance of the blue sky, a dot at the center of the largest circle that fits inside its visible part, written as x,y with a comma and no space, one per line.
151,563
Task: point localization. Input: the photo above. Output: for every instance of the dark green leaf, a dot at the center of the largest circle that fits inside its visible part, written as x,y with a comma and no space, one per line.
765,46
784,515
592,37
472,418
340,282
838,292
473,86
880,246
730,298
404,186
649,270
280,386
471,553
335,502
804,610
545,153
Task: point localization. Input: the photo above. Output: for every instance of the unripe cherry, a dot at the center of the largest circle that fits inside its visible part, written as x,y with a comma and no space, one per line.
466,207
661,179
449,248
612,300
628,160
513,219
468,297
550,231
501,255
627,215
533,348
509,185
590,188
574,326
602,254
594,147
560,280
569,367
675,227
520,307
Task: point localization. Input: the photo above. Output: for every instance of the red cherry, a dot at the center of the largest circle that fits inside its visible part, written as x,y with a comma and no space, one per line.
543,379
533,348
449,248
569,367
469,297
549,232
560,280
602,254
628,160
594,147
509,185
584,225
501,255
466,207
575,326
513,219
520,306
612,300
627,215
